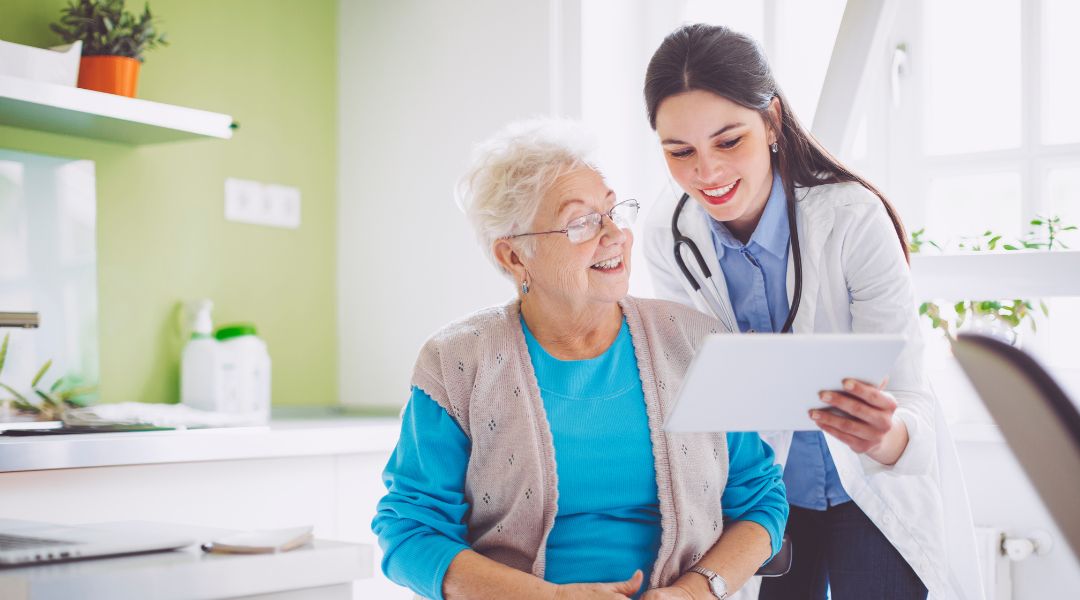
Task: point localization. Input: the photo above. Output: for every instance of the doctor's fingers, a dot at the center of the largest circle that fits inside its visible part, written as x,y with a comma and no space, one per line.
859,445
871,394
878,418
850,426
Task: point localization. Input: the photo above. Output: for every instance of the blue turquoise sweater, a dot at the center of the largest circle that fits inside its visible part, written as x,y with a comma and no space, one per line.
608,520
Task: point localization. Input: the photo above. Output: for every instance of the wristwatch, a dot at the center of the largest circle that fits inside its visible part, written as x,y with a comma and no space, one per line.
717,585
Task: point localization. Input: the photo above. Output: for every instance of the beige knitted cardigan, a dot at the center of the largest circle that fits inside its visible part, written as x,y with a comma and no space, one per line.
478,370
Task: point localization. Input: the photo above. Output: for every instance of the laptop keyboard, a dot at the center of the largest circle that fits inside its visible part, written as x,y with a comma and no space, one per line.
22,542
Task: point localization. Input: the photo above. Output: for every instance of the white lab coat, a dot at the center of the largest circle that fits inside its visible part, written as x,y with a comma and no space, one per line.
855,280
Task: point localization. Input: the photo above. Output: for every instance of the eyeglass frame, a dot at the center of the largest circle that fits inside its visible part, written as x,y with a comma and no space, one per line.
566,232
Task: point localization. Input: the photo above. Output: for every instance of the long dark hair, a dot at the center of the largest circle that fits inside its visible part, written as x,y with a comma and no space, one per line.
732,65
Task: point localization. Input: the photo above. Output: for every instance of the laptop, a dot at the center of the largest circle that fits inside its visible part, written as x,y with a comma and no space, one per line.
32,542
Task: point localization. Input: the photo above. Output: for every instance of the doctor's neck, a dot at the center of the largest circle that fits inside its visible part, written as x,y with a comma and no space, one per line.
746,222
743,227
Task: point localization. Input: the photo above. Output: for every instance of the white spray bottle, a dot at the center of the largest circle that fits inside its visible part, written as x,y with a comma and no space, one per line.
201,384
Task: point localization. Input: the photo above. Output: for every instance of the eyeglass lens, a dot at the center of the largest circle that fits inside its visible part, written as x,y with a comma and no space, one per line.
583,229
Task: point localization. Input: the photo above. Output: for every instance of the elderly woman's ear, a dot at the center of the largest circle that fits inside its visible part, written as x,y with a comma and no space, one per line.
509,258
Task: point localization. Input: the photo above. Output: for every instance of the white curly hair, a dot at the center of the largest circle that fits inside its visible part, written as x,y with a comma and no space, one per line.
512,170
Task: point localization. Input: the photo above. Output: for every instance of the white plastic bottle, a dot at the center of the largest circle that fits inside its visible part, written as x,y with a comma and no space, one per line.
245,372
200,364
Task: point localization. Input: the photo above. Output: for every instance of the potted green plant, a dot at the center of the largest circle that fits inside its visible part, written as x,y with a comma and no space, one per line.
114,41
1003,317
45,404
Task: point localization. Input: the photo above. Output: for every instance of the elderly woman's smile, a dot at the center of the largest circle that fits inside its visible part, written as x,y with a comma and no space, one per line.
613,265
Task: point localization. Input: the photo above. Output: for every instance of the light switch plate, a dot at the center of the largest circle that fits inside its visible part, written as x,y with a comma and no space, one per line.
258,203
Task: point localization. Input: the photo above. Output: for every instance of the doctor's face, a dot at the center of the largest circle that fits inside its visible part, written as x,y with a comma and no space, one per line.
595,271
718,152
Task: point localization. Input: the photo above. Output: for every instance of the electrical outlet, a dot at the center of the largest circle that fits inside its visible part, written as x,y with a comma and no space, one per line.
262,204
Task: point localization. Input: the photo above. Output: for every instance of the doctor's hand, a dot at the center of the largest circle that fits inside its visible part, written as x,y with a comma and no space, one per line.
864,420
618,590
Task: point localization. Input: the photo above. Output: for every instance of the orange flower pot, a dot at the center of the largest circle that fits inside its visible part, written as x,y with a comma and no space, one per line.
110,74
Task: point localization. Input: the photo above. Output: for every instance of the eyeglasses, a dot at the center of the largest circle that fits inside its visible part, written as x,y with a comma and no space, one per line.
585,228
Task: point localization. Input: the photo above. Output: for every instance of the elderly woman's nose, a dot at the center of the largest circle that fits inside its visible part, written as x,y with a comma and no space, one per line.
610,231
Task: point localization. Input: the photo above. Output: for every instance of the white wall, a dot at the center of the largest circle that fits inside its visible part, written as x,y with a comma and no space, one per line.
618,39
419,83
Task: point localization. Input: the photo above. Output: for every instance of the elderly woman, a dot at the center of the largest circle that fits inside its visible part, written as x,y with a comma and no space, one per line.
532,462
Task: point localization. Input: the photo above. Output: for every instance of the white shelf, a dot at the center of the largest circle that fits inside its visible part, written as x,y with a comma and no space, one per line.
285,438
73,111
1011,274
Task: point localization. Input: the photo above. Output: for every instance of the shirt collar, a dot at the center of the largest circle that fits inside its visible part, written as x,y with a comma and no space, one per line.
771,233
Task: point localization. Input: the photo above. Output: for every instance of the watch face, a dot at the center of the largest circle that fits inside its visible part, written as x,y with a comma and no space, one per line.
718,587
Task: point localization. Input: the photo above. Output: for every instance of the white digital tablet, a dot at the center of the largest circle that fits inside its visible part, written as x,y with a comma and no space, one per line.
767,382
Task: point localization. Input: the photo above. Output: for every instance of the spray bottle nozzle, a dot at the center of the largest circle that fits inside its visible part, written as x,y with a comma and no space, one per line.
201,324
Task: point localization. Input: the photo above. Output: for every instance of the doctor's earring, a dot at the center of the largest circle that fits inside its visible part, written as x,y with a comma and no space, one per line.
524,287
775,148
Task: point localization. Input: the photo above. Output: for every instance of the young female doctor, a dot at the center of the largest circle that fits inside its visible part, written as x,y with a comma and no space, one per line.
773,234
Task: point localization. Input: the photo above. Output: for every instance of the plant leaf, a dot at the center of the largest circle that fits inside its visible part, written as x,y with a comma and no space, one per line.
12,391
41,373
3,351
48,398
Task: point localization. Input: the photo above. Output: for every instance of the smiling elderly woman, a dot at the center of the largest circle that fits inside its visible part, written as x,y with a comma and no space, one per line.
532,462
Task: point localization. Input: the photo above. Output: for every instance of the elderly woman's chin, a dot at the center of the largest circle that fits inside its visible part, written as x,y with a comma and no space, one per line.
609,281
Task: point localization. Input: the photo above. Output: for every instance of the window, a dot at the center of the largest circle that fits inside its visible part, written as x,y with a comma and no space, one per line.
984,131
979,131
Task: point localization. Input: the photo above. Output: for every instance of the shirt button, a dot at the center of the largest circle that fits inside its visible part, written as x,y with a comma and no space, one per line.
887,519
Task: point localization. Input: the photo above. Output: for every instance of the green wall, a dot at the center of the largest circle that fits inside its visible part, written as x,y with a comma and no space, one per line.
162,237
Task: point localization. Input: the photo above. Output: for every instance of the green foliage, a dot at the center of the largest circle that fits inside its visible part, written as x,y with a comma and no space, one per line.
917,241
66,392
107,29
1011,313
3,351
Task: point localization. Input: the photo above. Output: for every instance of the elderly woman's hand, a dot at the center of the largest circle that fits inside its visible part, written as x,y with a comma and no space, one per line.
618,590
865,421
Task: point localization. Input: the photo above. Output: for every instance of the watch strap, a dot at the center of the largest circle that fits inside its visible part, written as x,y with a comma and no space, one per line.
717,584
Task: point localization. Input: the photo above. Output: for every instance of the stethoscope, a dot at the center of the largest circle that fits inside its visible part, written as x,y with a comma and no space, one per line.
712,298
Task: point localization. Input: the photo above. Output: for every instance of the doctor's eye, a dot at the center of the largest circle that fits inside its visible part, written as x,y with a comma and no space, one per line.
730,143
681,153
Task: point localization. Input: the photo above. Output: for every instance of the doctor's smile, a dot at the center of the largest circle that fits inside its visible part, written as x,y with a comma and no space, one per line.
721,194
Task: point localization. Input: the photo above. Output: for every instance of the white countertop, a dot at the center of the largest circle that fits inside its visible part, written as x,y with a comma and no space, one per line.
191,573
282,438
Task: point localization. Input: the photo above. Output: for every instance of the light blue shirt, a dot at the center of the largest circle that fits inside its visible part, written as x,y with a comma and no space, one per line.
608,518
756,276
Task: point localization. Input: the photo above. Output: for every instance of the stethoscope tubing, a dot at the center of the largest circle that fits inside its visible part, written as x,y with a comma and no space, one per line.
716,304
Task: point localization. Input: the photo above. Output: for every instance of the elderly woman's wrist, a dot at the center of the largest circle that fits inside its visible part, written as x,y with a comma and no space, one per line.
695,585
